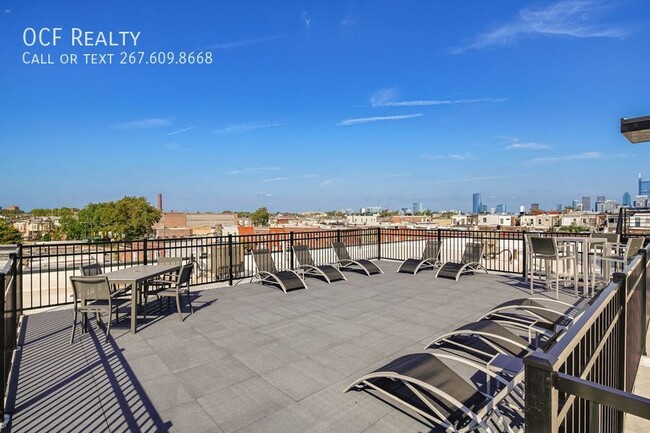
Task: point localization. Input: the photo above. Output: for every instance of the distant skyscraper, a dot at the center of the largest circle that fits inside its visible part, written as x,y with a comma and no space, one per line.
575,204
534,206
501,208
417,207
627,199
586,203
559,207
644,186
484,208
476,202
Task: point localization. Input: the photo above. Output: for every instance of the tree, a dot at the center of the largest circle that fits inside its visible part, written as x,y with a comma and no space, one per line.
261,217
128,218
575,228
9,234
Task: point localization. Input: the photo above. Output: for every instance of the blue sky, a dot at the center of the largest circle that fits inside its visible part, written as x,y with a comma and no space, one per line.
325,105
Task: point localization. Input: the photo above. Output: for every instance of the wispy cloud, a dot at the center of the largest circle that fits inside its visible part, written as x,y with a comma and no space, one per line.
144,124
7,11
473,179
252,170
243,127
456,156
392,175
326,182
386,98
581,156
349,122
263,194
527,146
244,42
182,130
282,179
570,18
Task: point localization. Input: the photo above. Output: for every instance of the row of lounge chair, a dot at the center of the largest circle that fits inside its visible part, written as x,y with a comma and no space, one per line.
470,261
492,348
267,272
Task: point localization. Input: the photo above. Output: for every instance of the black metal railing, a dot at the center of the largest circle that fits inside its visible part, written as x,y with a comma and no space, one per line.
10,306
46,268
584,383
633,222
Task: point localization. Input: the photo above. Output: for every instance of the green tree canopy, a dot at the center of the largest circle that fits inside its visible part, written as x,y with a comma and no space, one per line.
9,234
261,217
128,218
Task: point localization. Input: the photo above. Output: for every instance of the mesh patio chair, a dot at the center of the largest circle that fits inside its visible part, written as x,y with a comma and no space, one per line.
469,262
269,273
543,313
345,262
429,260
92,294
546,250
177,289
93,269
306,263
427,385
622,254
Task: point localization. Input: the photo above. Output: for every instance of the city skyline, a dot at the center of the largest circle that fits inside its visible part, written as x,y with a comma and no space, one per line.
307,106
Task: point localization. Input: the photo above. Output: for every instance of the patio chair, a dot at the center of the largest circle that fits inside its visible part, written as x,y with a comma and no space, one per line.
484,339
306,263
534,312
176,290
429,260
94,269
622,254
430,387
165,281
469,262
546,249
346,262
269,273
92,294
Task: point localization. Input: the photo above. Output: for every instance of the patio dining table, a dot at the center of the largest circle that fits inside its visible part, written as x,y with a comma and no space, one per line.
136,276
583,244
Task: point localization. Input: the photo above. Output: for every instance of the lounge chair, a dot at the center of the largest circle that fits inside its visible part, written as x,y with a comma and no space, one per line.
268,273
469,262
425,384
534,312
484,339
306,263
429,260
346,262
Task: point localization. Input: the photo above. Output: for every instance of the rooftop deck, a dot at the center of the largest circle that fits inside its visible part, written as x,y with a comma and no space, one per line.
250,358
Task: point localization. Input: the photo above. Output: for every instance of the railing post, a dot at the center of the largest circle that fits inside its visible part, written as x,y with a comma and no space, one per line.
338,235
13,336
230,259
19,278
3,343
145,248
291,250
644,300
524,252
541,400
378,243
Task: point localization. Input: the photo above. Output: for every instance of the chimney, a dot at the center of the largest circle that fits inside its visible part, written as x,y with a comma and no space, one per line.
160,201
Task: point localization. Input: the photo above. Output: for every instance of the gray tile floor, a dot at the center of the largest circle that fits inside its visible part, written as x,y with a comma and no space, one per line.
250,358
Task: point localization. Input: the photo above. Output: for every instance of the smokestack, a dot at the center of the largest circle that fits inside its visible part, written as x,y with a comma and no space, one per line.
160,201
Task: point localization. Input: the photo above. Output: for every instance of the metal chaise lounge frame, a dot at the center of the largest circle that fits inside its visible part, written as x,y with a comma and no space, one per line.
469,262
493,335
531,312
306,263
346,262
429,260
269,273
444,397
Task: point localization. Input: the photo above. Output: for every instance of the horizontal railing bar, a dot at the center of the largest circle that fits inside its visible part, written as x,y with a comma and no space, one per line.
601,394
